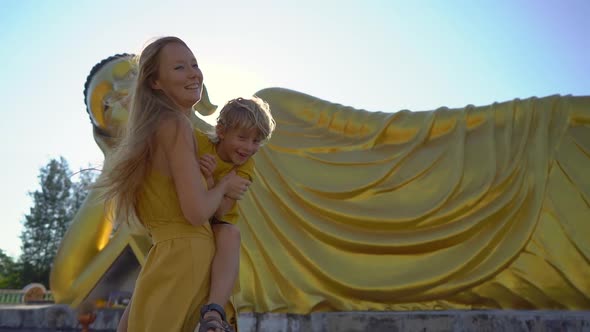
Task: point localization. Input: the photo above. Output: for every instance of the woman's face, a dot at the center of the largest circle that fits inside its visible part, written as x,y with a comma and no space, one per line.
179,76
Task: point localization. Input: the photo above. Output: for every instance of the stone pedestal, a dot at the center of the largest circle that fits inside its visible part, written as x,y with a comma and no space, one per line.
410,321
45,318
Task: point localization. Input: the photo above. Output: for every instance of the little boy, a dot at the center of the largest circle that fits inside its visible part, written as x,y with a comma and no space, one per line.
242,127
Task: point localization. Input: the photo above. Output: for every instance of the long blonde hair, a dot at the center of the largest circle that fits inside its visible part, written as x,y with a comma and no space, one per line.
131,160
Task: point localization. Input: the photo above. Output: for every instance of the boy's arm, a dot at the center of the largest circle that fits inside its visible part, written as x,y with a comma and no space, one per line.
226,205
227,209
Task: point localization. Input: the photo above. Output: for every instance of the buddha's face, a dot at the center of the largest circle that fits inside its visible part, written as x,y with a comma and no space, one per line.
107,94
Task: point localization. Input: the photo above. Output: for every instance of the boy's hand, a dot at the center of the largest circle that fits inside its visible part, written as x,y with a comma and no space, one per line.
208,164
236,186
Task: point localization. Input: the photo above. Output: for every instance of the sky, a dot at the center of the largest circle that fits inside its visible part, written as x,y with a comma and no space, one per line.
369,54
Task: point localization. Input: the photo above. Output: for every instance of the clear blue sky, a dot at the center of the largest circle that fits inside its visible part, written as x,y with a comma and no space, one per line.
375,55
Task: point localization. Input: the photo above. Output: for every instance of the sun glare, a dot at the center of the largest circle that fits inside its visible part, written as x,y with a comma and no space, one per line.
225,82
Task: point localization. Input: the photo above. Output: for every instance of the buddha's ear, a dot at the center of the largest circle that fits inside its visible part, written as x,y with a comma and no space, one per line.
204,106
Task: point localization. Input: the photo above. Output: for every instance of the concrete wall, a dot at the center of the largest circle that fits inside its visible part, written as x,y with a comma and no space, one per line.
62,318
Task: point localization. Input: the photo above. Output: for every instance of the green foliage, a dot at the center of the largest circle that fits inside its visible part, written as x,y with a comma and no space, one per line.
9,272
54,207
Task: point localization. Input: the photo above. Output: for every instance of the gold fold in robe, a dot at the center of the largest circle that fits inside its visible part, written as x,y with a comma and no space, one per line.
479,207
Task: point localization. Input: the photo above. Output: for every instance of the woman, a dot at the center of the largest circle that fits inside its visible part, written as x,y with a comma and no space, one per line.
155,175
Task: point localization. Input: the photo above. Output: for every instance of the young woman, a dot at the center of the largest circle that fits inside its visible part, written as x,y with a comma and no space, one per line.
155,175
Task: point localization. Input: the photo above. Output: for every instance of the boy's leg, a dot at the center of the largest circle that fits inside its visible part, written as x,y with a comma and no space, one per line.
226,262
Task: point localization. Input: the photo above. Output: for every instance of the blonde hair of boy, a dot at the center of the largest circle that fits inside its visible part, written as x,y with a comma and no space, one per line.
243,113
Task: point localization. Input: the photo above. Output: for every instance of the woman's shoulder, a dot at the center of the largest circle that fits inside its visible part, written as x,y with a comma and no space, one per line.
172,126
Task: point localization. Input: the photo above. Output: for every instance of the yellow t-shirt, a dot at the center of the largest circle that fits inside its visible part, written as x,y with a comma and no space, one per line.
246,170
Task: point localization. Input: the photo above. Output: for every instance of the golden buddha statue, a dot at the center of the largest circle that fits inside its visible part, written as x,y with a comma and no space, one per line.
477,207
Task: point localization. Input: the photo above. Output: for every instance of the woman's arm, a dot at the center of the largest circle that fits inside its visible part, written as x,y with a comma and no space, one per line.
198,204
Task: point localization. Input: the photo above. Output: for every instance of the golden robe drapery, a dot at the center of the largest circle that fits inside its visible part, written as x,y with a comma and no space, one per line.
477,207
481,207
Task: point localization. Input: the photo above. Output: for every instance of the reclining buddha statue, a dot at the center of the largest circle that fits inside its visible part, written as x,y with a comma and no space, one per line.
475,207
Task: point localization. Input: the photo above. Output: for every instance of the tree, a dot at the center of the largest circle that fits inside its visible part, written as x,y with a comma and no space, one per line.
47,220
54,206
9,272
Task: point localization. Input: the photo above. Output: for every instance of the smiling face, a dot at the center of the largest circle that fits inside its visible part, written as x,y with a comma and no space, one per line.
237,145
179,76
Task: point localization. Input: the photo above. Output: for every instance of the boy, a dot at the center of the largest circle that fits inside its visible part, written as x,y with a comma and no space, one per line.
242,127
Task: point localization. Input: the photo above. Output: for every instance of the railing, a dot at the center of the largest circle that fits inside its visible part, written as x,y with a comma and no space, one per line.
17,296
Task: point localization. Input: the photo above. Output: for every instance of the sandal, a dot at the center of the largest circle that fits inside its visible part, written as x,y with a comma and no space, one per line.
214,323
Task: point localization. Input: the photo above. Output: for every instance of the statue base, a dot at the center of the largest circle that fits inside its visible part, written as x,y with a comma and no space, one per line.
45,318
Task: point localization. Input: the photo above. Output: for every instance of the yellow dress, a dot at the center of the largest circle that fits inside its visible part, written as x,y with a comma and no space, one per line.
174,282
